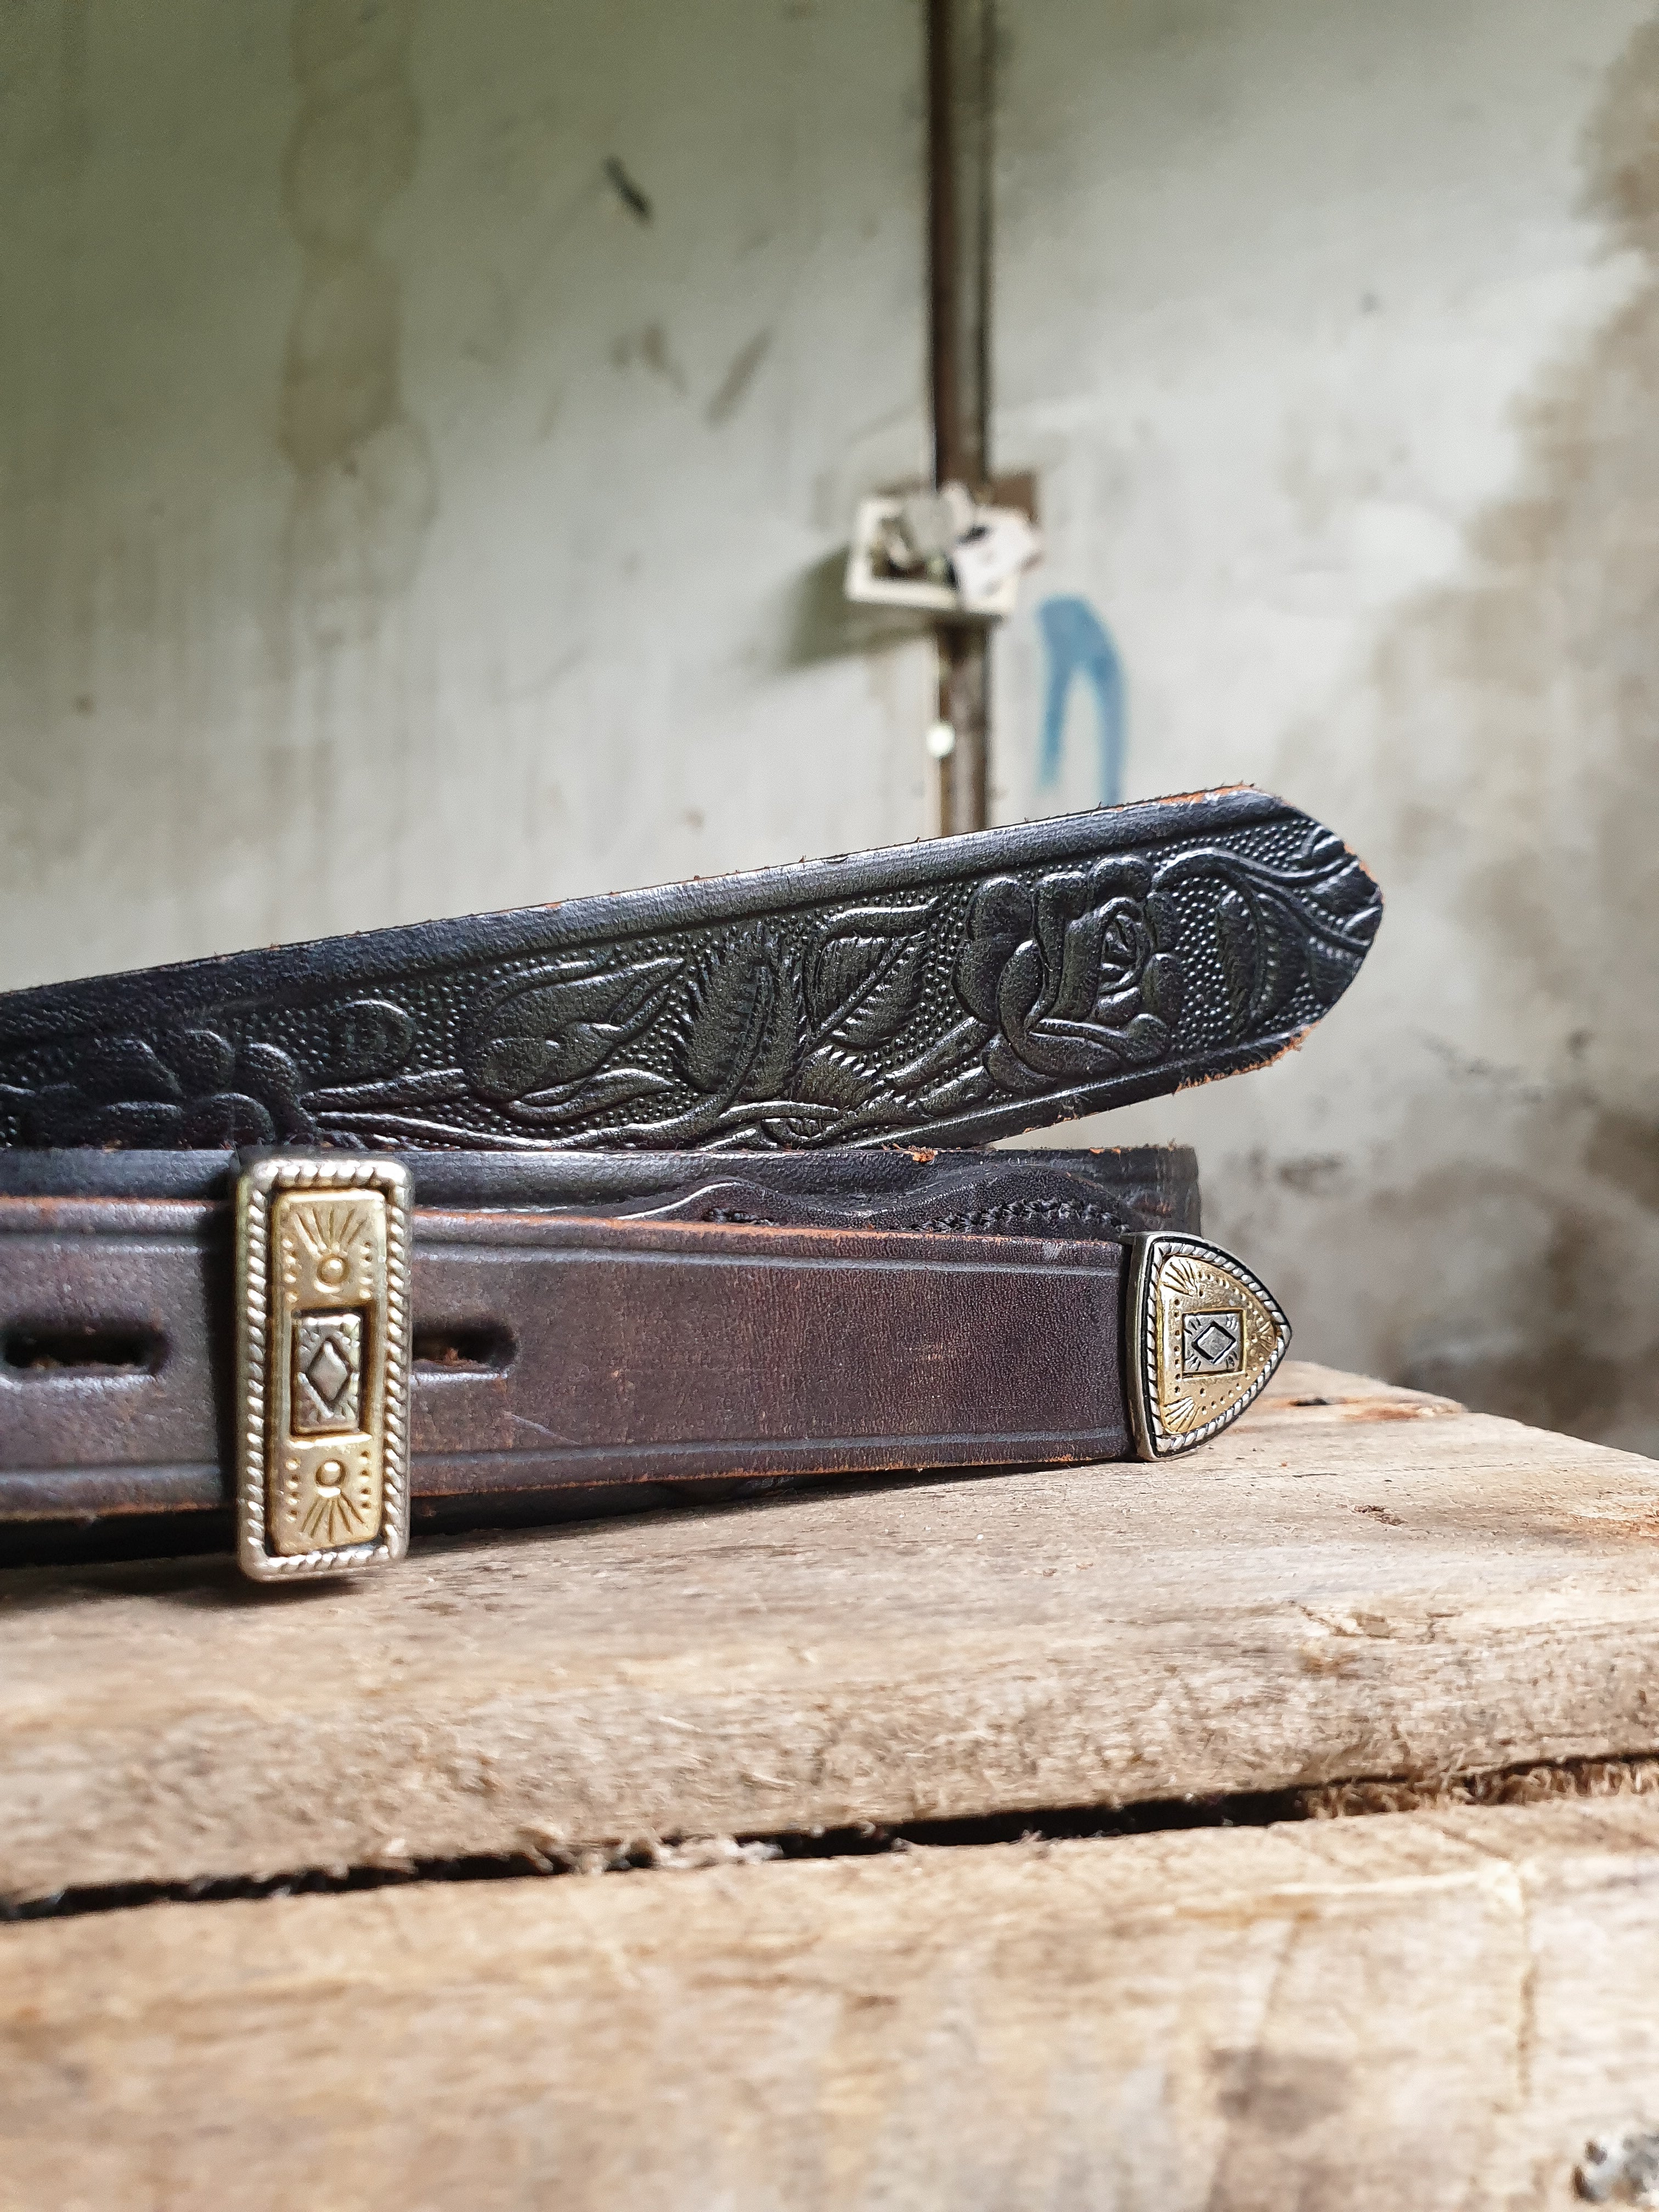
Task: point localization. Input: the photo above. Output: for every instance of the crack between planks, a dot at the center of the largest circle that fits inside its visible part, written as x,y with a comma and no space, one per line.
540,1856
1535,1782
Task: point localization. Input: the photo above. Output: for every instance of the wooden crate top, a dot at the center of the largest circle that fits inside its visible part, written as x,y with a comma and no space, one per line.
1356,1581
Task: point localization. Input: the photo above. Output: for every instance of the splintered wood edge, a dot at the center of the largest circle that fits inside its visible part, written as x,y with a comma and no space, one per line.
1302,1384
1438,2009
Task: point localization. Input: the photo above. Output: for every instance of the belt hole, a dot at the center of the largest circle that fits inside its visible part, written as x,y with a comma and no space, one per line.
99,1348
464,1347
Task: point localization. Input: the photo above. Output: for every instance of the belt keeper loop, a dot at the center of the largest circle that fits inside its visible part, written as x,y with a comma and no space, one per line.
322,1365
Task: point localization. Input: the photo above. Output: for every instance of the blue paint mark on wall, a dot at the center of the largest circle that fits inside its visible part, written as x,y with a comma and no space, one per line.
1076,643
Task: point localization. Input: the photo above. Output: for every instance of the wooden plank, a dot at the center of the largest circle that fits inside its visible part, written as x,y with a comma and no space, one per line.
1355,1581
1427,2010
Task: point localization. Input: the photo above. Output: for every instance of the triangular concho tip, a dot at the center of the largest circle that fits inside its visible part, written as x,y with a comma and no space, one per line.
1203,1337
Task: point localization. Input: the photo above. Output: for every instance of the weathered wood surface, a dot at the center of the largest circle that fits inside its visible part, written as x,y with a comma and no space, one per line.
1426,2010
1372,1584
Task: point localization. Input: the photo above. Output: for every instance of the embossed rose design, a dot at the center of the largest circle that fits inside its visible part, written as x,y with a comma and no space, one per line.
1079,978
189,1087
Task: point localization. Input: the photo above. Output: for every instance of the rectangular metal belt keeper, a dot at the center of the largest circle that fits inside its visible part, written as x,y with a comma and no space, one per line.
323,1366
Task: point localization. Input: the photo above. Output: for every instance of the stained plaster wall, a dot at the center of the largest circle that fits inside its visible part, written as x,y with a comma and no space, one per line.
393,520
396,520
1334,332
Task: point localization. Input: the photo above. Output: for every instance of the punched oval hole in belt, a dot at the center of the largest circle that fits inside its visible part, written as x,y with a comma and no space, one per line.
464,1347
100,1349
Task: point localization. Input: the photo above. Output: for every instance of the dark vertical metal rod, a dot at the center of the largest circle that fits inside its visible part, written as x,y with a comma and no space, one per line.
943,274
959,299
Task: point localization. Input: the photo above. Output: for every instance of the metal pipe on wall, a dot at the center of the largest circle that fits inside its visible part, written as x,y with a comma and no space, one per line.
960,37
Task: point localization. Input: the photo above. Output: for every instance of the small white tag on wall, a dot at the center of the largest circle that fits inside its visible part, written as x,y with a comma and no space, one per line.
941,553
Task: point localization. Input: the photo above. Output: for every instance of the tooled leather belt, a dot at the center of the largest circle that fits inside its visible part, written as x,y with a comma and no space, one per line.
486,1216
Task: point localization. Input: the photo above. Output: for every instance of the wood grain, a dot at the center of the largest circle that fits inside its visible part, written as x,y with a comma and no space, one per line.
1425,2010
1355,1581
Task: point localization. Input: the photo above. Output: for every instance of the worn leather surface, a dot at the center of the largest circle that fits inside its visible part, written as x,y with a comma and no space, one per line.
956,990
600,1323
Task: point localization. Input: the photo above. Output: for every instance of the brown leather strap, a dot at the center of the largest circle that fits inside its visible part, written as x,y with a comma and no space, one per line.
654,1350
554,1349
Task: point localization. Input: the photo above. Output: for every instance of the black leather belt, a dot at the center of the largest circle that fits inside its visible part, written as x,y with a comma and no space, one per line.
645,1189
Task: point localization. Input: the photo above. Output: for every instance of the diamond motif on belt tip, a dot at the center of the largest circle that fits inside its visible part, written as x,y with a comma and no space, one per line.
1212,1343
1203,1336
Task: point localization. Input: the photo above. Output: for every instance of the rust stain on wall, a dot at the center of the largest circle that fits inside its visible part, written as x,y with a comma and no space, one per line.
363,493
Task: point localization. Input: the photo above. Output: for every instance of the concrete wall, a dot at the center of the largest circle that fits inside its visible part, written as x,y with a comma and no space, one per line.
393,520
1335,331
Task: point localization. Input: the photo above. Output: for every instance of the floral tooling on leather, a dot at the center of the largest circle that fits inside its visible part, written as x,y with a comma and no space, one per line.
967,1009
